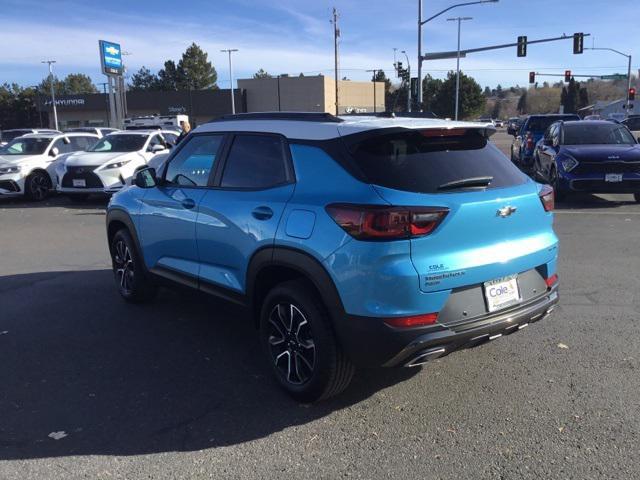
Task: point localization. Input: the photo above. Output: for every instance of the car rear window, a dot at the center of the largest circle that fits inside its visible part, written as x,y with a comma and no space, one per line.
540,124
424,160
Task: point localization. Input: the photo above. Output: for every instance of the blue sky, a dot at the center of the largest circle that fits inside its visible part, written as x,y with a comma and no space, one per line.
288,36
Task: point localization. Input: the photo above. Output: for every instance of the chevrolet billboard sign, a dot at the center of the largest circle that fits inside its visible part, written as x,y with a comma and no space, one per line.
110,58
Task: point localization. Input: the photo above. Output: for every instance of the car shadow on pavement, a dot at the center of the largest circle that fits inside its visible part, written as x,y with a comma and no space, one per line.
85,373
580,201
92,203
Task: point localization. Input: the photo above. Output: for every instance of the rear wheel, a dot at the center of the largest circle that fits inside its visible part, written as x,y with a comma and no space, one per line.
131,278
300,345
37,186
636,197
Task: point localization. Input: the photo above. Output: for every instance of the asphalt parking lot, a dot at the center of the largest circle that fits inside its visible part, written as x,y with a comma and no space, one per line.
91,387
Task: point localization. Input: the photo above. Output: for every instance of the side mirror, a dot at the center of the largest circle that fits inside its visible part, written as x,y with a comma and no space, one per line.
158,148
511,131
146,178
54,152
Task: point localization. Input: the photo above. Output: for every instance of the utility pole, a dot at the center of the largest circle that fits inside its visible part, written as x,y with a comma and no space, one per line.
233,102
336,35
459,20
375,75
422,22
53,93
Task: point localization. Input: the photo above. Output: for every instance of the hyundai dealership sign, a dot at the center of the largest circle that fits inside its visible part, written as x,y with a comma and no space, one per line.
110,58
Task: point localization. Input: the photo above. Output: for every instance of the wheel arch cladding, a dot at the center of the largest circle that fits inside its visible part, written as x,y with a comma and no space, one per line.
118,219
271,266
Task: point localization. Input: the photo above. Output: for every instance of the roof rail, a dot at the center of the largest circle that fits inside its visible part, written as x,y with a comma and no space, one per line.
296,116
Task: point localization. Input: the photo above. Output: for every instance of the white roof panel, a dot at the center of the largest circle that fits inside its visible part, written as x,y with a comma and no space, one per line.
318,130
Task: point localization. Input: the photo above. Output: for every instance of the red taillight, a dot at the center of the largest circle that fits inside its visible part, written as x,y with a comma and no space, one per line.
529,141
375,222
414,321
552,280
547,198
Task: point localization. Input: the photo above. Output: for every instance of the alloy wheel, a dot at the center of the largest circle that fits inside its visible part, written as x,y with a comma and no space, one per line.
39,187
291,343
123,263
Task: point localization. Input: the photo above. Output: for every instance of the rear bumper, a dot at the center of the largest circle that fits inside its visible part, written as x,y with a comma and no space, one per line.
370,342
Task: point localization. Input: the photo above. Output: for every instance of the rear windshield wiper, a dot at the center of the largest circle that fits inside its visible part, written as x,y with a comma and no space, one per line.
467,182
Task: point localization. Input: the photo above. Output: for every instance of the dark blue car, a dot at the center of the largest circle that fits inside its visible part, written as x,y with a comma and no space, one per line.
531,130
589,156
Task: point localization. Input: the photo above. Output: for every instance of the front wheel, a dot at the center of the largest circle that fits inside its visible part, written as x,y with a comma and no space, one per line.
37,186
131,278
300,345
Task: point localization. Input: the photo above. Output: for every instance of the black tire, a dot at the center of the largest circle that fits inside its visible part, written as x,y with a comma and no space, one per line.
37,186
78,197
636,197
131,278
304,355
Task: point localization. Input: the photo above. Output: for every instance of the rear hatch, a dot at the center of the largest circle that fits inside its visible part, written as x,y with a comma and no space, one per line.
496,225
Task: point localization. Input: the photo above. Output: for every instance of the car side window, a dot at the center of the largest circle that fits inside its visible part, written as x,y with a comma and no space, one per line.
81,143
255,161
192,165
170,138
155,140
62,146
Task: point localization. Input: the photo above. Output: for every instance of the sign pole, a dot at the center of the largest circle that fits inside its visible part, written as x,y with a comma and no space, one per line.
112,103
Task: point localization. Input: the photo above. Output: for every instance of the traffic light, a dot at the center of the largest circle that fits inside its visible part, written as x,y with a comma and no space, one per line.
522,46
567,75
399,69
532,77
578,43
632,94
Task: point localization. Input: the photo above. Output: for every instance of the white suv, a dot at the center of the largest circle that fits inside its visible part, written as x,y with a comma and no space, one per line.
28,163
111,163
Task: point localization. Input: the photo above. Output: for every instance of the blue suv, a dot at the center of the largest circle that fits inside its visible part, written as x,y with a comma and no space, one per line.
357,241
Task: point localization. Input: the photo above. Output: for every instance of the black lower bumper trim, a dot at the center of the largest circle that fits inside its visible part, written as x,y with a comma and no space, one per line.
370,342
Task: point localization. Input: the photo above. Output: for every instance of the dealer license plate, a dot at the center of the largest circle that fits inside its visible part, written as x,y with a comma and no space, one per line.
79,182
613,177
502,293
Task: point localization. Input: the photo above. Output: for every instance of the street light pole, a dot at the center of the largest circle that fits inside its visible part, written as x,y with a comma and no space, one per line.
53,93
459,20
422,22
409,83
626,109
233,102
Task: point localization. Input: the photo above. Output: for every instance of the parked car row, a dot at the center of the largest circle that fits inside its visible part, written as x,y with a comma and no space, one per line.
573,155
75,163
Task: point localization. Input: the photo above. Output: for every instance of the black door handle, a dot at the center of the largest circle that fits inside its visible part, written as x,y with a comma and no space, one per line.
262,213
188,203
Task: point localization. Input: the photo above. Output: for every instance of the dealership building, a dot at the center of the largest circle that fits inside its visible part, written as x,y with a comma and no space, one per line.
315,94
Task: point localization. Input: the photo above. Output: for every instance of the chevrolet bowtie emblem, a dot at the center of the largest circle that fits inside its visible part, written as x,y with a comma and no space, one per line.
505,211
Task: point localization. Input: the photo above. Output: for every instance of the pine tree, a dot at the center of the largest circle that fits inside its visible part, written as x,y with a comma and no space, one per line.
195,71
522,104
143,80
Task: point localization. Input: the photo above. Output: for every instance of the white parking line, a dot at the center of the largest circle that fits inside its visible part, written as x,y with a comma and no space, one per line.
582,212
